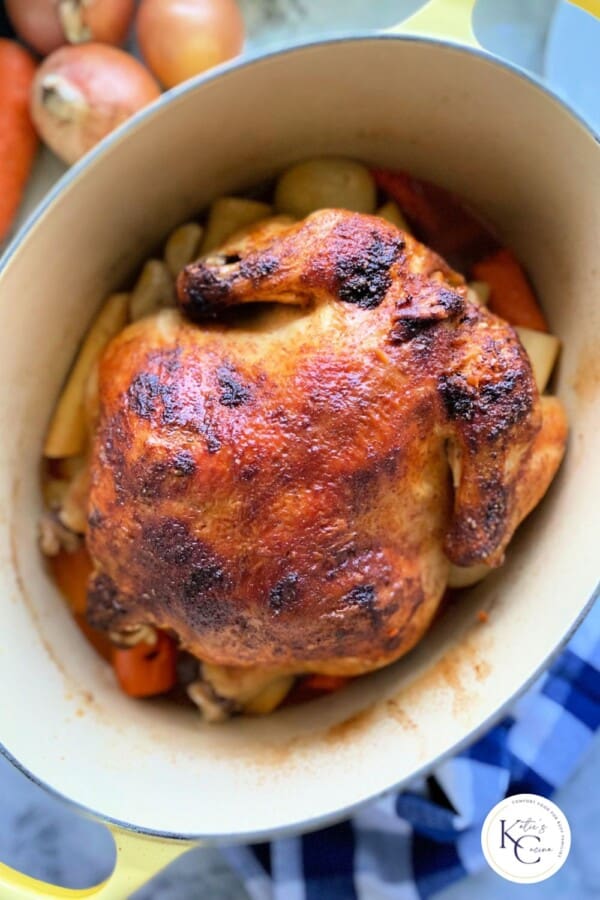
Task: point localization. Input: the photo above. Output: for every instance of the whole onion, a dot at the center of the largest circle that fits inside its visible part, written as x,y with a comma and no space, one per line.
181,38
82,93
48,24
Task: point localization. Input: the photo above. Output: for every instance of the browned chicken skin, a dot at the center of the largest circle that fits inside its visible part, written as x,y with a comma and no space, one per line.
283,486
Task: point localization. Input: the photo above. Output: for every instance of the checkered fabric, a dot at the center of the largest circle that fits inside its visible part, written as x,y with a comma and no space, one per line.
412,844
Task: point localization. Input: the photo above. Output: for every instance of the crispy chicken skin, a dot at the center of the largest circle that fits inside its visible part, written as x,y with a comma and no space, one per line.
284,485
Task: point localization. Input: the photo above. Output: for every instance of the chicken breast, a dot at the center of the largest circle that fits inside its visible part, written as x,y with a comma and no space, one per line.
284,467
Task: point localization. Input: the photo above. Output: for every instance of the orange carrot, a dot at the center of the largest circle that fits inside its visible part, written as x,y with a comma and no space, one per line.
312,686
439,218
147,669
71,572
511,295
18,139
326,684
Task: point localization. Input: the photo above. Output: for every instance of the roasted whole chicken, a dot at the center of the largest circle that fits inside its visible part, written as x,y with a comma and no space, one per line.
284,467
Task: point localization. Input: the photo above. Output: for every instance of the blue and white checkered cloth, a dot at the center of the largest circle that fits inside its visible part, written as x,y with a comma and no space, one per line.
412,844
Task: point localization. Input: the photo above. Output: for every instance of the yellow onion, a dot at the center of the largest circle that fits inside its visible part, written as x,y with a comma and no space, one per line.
48,24
181,38
82,93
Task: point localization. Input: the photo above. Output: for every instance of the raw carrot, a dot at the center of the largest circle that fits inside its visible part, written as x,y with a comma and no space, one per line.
147,669
18,139
438,218
511,295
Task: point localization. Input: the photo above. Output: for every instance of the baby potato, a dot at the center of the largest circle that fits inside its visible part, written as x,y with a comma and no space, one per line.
324,183
229,215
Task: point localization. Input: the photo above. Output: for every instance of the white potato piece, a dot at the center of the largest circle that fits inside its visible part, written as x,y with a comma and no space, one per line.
237,683
68,432
153,290
391,212
270,697
183,247
479,292
325,183
466,576
227,216
271,226
542,350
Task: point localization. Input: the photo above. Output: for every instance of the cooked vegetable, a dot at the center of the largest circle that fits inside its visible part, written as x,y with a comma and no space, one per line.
129,637
153,289
18,139
54,489
182,247
54,537
179,40
511,295
71,572
322,183
213,708
67,432
48,24
228,215
73,508
147,669
82,93
312,686
391,212
542,350
270,697
438,218
466,576
479,292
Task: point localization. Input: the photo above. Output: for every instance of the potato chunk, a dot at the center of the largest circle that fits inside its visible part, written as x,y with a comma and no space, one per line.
542,350
325,183
228,215
68,428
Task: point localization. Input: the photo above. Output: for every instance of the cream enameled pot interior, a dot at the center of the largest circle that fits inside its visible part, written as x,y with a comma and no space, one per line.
449,115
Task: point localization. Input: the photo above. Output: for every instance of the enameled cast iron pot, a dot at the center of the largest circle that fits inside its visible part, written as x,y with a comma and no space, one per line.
444,111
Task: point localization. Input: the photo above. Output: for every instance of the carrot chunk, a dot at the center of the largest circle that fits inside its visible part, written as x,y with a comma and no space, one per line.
439,218
147,669
511,295
312,686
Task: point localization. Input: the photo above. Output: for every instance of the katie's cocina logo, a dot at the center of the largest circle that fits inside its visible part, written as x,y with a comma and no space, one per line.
526,838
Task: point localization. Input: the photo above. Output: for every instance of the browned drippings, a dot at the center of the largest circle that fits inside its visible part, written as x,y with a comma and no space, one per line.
586,382
348,728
